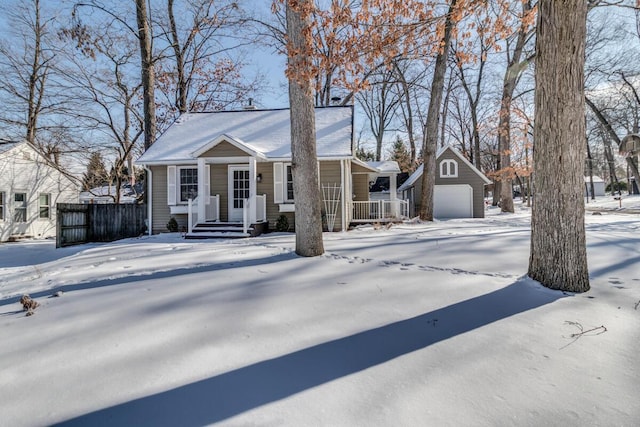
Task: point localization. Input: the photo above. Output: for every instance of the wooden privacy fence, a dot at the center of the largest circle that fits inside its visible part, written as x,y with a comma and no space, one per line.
83,223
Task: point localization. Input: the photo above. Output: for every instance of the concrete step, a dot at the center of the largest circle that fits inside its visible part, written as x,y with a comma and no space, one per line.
217,235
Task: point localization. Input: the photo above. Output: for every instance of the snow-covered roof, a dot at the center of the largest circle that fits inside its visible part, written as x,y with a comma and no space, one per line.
106,194
266,133
595,179
8,145
387,166
418,172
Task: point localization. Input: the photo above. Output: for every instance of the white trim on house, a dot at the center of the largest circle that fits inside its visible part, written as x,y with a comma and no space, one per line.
3,205
448,168
241,145
418,172
235,214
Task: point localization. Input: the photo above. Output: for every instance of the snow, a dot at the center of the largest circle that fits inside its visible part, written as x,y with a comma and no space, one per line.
417,324
267,132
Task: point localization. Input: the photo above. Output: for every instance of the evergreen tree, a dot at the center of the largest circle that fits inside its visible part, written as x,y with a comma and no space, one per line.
96,174
401,154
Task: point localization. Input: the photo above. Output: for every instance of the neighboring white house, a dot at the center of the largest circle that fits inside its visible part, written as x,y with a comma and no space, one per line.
598,186
30,187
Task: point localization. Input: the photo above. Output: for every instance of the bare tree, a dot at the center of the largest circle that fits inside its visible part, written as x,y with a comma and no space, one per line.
380,103
31,96
200,72
433,115
515,65
147,72
558,256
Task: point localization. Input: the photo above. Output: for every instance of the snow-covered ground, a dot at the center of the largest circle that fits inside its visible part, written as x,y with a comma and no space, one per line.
420,324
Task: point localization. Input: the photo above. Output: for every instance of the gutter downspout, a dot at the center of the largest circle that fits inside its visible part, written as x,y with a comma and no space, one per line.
343,201
149,199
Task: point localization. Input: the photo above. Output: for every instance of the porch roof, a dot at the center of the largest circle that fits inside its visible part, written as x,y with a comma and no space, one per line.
266,133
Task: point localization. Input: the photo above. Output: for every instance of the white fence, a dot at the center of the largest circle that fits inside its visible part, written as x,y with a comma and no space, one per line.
379,210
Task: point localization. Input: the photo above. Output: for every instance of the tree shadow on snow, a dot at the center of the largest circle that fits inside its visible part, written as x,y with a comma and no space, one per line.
232,393
155,275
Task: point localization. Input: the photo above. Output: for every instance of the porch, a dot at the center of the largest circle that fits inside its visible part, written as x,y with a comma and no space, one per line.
379,211
254,219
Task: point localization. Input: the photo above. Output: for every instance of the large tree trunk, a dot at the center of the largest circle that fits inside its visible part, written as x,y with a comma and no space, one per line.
148,73
306,187
430,143
558,257
514,69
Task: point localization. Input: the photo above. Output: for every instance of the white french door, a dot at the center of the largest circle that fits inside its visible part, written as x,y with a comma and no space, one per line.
238,191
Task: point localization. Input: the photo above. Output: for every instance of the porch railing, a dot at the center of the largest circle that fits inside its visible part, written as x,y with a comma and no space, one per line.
379,210
212,211
261,211
261,207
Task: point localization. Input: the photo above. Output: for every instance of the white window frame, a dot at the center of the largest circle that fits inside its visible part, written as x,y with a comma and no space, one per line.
280,183
23,206
3,204
446,167
285,183
48,206
179,199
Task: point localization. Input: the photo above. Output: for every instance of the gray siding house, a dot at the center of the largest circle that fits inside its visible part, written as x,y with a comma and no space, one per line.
459,189
234,167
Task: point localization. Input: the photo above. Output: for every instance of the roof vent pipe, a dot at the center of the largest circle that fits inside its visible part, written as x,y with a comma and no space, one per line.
250,105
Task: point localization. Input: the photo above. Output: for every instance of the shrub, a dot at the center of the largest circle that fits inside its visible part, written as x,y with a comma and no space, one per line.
282,224
172,225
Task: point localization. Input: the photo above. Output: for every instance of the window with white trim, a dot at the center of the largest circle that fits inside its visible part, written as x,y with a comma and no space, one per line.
282,183
288,183
188,184
44,206
20,207
2,206
448,169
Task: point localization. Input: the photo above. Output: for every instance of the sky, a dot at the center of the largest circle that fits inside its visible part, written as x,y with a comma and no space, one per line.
391,326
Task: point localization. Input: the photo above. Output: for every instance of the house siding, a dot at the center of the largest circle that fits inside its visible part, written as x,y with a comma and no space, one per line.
161,214
224,149
24,170
330,173
219,185
360,187
465,176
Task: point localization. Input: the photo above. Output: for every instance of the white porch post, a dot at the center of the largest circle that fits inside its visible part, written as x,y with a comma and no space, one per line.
253,176
393,195
201,186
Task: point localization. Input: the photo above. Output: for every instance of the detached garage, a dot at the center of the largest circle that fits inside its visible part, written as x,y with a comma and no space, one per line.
459,190
453,201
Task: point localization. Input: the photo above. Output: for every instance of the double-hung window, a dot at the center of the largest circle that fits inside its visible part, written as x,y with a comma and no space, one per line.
288,184
188,184
2,206
44,204
20,207
282,184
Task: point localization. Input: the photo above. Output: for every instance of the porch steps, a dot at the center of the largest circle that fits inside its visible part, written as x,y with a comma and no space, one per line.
224,230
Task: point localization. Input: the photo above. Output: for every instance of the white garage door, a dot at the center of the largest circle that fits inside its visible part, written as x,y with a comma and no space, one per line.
453,201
